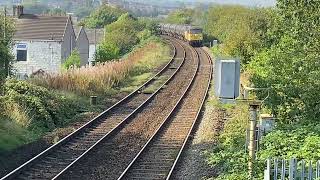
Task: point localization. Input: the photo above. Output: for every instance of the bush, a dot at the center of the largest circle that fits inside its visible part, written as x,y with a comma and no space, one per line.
229,157
299,141
107,52
73,60
35,107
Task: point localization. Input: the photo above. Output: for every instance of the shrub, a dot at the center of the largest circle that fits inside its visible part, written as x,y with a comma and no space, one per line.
107,52
35,107
229,157
73,60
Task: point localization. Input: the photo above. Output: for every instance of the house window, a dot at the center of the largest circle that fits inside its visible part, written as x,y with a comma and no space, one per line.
21,52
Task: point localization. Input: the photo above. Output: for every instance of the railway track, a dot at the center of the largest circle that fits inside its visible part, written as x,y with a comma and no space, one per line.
109,161
57,159
158,158
109,143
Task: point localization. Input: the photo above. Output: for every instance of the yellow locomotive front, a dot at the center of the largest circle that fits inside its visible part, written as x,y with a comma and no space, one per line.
194,36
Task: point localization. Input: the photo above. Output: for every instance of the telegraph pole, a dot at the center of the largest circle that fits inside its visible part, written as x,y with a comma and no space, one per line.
6,62
254,106
5,24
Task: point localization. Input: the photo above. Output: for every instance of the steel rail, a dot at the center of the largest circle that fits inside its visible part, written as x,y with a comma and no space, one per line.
92,122
162,126
121,124
195,121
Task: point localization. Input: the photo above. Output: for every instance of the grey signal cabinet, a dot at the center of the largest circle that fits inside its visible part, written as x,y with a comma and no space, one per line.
227,79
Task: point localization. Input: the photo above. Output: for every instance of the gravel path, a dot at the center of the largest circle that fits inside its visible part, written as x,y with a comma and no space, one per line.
193,165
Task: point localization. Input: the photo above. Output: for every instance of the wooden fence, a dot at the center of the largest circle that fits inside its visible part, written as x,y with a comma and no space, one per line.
292,170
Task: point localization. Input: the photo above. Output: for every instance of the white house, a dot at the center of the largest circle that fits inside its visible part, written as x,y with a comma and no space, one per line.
44,42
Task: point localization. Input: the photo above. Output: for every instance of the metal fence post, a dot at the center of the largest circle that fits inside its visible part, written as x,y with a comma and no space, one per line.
267,172
310,171
283,170
275,172
317,169
292,168
302,169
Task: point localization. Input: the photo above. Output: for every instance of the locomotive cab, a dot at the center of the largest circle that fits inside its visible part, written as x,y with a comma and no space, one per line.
194,36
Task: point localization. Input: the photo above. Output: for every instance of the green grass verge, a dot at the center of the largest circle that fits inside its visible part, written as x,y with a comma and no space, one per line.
13,135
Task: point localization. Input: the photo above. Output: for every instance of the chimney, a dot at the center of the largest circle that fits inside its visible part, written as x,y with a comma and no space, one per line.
19,10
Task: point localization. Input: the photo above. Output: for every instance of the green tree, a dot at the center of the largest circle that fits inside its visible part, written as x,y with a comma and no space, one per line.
107,52
73,60
182,16
6,33
102,16
291,66
241,30
124,33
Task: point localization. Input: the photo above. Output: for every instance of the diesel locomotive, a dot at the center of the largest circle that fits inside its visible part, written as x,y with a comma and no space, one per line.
192,34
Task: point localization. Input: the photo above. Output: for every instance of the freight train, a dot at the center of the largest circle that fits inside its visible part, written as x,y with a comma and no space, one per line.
192,34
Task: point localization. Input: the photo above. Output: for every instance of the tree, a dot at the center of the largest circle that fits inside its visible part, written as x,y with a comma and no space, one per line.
124,33
182,16
291,66
107,52
73,60
102,16
6,33
241,30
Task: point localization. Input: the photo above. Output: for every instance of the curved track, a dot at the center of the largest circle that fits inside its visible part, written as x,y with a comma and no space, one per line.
117,151
147,129
160,155
55,160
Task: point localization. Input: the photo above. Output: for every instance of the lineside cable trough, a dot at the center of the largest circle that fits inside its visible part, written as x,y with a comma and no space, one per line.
227,89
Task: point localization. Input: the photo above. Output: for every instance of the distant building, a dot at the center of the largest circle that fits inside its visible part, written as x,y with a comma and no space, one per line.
82,46
44,42
95,36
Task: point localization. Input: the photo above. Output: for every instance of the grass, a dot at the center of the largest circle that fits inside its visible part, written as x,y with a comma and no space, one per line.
13,135
160,81
125,74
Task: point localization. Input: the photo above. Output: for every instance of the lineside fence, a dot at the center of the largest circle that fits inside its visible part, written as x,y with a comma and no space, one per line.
292,170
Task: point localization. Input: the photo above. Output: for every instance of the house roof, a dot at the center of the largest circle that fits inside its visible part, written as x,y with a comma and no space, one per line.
78,32
91,34
37,27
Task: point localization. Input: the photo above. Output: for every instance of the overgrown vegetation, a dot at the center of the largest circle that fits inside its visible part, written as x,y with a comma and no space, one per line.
6,57
102,16
73,61
123,35
229,157
30,109
183,16
279,49
104,76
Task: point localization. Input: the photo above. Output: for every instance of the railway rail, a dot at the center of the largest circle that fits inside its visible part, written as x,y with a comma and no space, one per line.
131,128
57,159
159,157
109,161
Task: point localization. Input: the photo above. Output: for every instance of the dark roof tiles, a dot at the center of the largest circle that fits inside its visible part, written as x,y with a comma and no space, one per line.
36,27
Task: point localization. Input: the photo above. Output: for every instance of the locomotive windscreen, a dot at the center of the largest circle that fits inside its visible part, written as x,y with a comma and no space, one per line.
196,31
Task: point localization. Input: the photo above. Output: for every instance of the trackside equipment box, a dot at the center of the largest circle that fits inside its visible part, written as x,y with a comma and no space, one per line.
227,79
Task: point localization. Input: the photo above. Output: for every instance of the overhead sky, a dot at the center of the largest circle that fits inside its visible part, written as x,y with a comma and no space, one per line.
242,2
